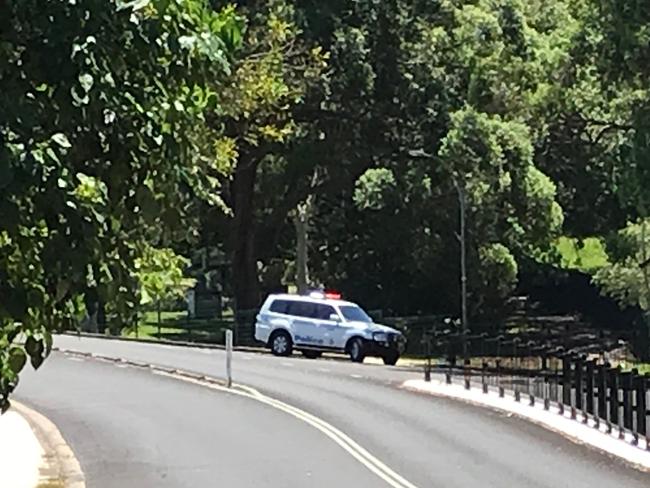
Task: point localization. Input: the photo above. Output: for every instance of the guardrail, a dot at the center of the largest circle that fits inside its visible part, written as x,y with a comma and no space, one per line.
585,387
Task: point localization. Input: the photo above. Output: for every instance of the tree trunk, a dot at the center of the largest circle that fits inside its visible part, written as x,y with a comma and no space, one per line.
244,261
302,258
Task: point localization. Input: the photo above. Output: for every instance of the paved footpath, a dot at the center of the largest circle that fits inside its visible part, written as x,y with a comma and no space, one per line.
21,454
33,453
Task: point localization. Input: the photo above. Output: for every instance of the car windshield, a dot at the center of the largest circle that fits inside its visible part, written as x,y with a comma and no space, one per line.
354,314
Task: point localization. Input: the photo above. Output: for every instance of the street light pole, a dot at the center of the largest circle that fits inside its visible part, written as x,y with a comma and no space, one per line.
463,266
461,236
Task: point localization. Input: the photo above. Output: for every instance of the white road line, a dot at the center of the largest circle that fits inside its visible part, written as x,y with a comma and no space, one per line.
356,376
355,450
71,358
290,365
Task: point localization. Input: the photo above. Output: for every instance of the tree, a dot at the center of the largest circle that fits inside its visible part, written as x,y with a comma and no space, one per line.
627,277
161,276
467,84
103,151
274,72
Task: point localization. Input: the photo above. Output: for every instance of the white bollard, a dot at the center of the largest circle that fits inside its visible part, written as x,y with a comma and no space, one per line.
229,358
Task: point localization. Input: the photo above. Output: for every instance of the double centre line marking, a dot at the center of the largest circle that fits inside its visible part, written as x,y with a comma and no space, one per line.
350,446
354,449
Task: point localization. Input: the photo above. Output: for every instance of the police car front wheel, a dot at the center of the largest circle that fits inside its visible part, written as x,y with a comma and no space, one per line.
390,358
357,350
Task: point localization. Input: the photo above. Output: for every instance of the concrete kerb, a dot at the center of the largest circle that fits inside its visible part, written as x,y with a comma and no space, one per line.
166,342
589,434
61,467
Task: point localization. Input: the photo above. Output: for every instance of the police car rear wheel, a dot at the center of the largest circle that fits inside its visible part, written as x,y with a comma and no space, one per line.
281,344
357,350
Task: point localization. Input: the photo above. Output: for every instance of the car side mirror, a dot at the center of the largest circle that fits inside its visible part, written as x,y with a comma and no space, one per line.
335,317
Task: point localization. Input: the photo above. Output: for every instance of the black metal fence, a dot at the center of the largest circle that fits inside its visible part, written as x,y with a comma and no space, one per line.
583,386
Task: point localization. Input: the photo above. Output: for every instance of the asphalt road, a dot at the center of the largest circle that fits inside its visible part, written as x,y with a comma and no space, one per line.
130,427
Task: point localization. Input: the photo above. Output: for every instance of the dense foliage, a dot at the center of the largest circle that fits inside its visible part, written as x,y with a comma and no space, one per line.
102,152
132,131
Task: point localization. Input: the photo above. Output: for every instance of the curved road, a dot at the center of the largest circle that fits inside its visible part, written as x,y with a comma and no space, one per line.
130,427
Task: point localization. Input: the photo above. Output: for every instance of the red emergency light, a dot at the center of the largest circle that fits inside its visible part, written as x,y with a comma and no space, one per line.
332,295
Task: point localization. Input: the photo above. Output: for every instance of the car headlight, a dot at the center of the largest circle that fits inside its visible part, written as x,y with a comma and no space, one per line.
380,336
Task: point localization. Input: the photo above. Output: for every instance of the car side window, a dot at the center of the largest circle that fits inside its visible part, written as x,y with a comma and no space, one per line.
302,309
279,306
323,312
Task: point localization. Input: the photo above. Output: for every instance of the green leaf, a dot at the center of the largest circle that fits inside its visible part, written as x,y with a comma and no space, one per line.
35,349
52,154
17,359
149,207
77,99
47,335
132,4
61,140
62,288
86,81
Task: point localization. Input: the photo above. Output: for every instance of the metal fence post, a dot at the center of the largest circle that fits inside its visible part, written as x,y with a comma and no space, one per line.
588,404
578,366
566,383
555,385
499,385
531,394
427,368
513,381
546,392
626,385
229,358
484,377
614,414
556,380
498,366
591,367
641,404
451,360
602,394
633,406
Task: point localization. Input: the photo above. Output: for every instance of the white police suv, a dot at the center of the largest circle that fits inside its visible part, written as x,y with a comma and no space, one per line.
321,322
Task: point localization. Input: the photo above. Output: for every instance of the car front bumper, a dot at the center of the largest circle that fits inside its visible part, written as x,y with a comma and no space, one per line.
391,346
